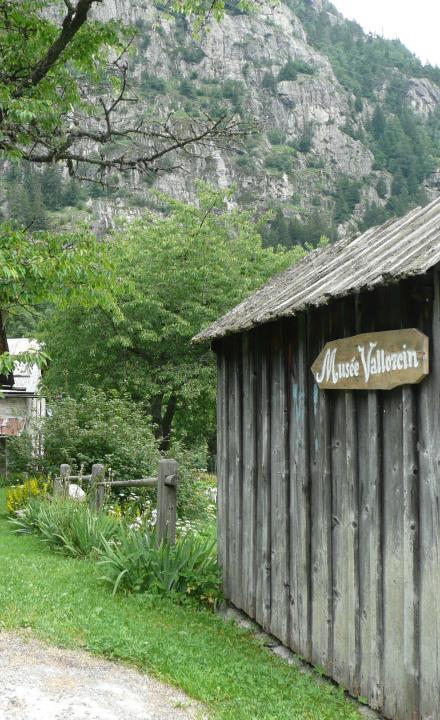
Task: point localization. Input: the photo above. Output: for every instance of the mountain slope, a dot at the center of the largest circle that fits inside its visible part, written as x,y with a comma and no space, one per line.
349,124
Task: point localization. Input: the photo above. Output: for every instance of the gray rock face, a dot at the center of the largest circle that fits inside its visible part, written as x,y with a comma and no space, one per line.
250,50
423,96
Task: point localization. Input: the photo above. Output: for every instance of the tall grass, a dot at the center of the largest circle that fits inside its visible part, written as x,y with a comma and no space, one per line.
68,526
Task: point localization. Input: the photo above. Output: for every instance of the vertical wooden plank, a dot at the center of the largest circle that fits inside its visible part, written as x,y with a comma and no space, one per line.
370,542
235,477
345,542
263,599
352,544
393,526
232,510
410,552
345,521
299,512
222,466
429,467
280,585
339,546
369,516
249,476
321,503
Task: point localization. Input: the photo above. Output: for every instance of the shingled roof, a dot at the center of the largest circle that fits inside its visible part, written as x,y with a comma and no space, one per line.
382,255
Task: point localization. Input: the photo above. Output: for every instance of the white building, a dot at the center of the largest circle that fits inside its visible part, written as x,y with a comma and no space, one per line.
20,403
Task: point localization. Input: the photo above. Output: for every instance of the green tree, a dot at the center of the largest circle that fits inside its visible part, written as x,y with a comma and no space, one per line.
52,187
176,274
347,196
44,267
382,188
378,122
279,230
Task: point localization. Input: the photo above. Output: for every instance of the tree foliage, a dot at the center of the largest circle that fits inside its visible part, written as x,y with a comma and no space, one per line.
45,267
177,274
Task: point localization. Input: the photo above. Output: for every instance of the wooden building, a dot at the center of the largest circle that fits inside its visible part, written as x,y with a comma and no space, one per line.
329,500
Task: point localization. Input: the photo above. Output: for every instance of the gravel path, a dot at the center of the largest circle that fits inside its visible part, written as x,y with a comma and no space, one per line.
39,682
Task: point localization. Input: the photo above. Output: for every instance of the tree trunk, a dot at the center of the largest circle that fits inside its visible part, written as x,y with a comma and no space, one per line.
163,419
7,380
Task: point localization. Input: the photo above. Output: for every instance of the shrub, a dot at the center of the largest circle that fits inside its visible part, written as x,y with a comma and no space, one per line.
246,163
269,81
97,427
194,500
276,137
19,496
186,88
304,142
150,83
382,188
234,90
10,479
68,526
192,54
187,571
280,159
293,68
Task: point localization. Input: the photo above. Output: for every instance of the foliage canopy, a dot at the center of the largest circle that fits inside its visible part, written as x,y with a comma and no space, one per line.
177,273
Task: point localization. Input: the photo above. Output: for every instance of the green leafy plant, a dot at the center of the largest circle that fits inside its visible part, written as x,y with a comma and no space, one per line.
186,571
97,427
292,68
18,497
67,526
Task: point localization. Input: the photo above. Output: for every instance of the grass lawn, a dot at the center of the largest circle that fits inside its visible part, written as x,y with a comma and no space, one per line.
61,600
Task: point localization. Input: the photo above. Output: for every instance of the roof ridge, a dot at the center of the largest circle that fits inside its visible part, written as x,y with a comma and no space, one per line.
400,247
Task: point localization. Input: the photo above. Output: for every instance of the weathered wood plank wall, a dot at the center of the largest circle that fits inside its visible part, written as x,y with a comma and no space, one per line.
329,502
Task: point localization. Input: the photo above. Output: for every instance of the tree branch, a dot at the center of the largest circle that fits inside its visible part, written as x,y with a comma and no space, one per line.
73,21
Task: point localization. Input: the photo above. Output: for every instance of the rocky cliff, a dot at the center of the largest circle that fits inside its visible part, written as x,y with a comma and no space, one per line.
348,125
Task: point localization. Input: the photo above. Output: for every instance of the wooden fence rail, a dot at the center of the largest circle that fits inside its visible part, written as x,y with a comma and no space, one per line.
167,482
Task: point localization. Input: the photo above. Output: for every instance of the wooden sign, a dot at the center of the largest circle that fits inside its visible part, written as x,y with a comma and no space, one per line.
373,361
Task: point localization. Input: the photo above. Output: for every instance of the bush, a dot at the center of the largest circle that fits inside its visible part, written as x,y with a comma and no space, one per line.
97,427
293,68
187,571
304,142
194,500
10,479
153,84
382,188
18,497
276,137
234,90
269,81
186,88
68,526
192,54
280,159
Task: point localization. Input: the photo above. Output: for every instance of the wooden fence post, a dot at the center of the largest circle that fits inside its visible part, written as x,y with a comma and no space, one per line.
97,491
61,483
167,482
